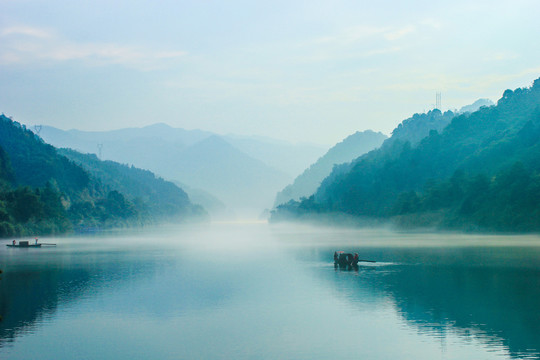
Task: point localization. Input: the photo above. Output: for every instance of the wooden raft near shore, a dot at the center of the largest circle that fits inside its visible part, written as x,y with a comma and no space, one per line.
26,244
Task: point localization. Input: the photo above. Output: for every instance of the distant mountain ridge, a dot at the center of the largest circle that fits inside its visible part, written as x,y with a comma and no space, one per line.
242,180
476,106
291,159
217,166
350,148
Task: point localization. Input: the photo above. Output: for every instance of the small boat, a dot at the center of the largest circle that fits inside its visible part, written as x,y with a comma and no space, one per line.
24,244
343,259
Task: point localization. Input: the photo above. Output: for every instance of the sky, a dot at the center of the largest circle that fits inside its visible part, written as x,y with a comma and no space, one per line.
303,71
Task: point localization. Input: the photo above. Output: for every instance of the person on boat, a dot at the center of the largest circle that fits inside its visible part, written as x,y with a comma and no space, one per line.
36,241
14,242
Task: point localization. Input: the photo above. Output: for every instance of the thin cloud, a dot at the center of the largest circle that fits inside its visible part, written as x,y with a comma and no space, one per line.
27,45
399,33
383,51
502,56
26,31
363,33
431,22
353,34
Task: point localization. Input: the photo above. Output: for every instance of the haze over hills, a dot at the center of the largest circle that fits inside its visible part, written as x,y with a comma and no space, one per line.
215,207
234,169
482,171
291,159
350,148
241,181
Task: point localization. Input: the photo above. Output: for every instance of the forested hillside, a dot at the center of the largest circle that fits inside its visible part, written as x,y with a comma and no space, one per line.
159,198
36,163
350,148
43,192
482,171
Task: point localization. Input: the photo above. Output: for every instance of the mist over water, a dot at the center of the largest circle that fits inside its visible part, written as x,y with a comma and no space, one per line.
245,290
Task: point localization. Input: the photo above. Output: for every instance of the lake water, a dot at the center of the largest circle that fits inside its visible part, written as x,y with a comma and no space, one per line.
254,291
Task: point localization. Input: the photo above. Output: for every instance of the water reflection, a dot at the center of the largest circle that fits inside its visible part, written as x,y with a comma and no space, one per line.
243,292
35,284
157,277
487,293
492,303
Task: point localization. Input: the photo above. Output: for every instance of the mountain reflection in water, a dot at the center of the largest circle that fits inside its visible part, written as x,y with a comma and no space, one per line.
240,291
33,289
488,293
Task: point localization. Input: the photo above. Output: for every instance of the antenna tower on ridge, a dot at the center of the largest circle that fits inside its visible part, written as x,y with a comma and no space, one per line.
438,101
100,147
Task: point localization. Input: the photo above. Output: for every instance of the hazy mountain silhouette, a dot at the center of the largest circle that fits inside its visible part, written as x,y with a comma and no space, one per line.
152,147
476,106
220,166
209,202
291,159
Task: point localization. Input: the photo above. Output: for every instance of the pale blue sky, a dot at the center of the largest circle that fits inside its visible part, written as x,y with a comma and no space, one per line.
307,71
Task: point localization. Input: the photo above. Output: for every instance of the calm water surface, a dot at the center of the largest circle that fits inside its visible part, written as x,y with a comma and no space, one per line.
253,291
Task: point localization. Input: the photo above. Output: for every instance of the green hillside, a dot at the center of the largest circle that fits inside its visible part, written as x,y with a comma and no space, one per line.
161,199
481,172
44,192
